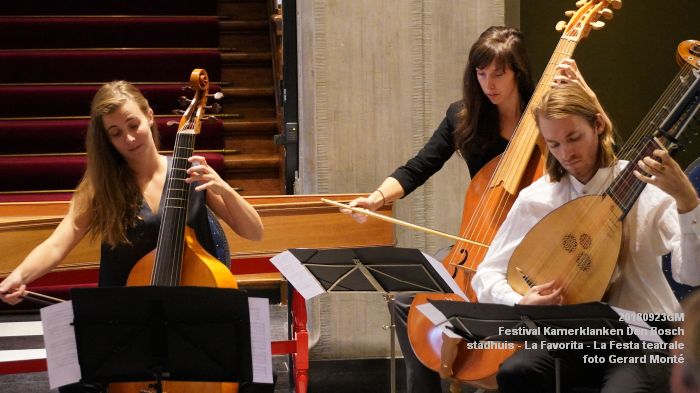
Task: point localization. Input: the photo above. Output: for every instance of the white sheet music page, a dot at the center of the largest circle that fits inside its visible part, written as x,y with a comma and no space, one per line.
260,342
440,268
437,318
59,339
15,355
295,272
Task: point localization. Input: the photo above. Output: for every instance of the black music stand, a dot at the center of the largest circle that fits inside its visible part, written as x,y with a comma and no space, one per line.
385,270
483,321
162,333
371,269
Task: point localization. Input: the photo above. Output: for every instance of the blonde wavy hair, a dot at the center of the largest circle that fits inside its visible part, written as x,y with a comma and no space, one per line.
108,191
568,100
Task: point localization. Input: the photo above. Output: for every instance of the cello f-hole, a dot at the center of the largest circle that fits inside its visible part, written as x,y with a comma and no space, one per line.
464,256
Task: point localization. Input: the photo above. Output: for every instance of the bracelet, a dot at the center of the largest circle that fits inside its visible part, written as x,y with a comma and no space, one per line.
383,198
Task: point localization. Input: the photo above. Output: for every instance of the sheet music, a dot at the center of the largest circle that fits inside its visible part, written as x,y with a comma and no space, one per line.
59,339
260,342
295,272
438,319
15,355
440,268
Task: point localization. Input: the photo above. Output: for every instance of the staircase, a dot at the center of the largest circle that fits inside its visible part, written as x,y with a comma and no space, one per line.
55,55
251,66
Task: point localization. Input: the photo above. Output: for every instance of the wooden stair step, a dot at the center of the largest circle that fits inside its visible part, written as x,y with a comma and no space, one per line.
226,26
239,57
233,162
243,10
248,91
235,126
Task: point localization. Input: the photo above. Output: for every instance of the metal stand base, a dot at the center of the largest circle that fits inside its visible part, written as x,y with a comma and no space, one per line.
390,299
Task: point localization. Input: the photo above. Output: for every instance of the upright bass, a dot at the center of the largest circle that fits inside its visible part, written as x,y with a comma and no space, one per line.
489,198
179,259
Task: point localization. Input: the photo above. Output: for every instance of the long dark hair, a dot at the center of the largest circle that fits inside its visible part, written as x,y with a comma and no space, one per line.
479,125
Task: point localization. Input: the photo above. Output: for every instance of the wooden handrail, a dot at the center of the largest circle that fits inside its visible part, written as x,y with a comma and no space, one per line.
291,221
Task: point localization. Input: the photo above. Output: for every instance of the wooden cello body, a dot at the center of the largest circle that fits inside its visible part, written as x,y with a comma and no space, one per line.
179,260
486,208
475,365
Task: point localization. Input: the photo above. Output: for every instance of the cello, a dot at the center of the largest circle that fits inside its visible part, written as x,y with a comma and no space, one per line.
179,259
584,236
489,197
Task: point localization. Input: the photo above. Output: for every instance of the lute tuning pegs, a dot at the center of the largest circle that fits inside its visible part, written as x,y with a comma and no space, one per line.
606,13
597,25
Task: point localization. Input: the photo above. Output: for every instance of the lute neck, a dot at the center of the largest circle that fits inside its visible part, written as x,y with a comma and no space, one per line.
660,129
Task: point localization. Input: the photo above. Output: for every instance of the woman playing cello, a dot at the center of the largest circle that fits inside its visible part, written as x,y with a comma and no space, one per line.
119,198
497,85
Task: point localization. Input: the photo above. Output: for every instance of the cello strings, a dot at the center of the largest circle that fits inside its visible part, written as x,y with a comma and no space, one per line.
565,49
184,203
170,248
520,152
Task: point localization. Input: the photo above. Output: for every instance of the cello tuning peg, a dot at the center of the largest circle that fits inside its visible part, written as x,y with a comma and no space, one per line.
606,13
597,25
616,4
179,112
214,108
561,25
171,123
580,3
205,118
569,13
217,96
183,101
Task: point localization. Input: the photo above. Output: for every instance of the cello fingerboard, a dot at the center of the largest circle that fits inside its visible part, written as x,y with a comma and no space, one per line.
168,267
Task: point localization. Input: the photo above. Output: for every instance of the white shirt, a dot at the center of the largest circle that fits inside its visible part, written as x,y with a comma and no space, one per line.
652,228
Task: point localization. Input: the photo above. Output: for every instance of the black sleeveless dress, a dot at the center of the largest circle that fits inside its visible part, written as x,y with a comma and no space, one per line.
116,263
